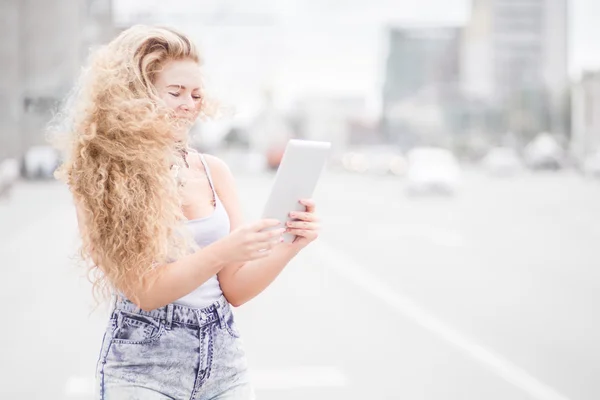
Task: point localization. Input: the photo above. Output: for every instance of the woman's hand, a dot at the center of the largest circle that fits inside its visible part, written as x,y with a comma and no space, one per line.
248,243
305,225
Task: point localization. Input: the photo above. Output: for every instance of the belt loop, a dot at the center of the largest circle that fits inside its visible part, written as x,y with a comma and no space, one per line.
117,301
220,314
119,320
169,317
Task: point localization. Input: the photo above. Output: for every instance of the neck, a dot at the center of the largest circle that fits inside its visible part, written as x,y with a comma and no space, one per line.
183,152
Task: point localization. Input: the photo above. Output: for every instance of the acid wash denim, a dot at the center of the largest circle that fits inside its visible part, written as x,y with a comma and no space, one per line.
173,352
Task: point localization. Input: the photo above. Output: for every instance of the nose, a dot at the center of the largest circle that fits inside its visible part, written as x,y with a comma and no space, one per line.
187,104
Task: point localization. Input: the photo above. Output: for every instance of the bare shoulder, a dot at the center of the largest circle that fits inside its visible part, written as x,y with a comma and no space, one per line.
216,165
221,174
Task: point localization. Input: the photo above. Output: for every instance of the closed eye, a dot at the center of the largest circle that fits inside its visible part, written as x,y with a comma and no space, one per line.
174,94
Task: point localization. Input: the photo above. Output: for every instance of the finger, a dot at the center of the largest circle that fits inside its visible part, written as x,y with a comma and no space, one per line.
264,224
271,242
267,236
304,216
311,226
267,242
310,205
306,233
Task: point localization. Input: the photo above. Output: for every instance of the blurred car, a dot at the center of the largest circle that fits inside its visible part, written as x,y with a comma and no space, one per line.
544,153
9,173
355,162
398,165
591,165
432,170
384,160
379,160
502,161
274,155
40,162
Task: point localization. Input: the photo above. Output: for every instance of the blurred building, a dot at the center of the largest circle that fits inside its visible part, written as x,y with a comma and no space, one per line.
50,57
269,128
99,25
44,44
585,117
10,99
339,120
514,60
421,89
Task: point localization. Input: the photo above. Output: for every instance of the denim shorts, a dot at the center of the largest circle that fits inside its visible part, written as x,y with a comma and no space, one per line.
173,352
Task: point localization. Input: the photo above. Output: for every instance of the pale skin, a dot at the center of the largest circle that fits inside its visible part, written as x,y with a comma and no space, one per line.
246,261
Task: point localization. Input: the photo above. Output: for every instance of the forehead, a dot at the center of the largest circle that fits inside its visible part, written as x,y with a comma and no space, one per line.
180,72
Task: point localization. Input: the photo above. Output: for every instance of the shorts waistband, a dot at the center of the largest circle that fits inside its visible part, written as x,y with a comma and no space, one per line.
216,312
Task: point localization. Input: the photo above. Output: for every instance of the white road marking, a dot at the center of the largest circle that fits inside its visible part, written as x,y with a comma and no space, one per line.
438,236
288,378
502,367
444,238
298,377
78,386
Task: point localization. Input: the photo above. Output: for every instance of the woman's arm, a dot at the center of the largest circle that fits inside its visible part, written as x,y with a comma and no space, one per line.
243,281
169,282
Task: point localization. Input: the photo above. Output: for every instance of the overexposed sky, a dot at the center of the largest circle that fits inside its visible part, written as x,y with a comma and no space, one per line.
321,46
585,29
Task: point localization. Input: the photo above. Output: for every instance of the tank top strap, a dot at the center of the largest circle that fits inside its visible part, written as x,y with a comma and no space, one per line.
207,169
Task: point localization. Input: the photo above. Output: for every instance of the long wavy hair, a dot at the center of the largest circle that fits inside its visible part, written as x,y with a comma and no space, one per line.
119,153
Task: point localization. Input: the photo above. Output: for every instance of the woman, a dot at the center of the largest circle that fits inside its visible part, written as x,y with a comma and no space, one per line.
162,224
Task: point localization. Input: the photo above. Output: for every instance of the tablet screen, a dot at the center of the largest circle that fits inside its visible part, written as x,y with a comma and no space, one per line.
301,166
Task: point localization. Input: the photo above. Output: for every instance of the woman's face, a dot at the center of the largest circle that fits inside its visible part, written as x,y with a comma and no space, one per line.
179,85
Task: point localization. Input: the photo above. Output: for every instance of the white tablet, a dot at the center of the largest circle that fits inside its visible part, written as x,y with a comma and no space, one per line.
296,178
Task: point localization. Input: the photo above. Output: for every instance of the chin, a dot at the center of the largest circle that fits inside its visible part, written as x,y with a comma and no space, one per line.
181,137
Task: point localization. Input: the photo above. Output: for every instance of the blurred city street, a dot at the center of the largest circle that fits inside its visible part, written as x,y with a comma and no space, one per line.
460,212
485,294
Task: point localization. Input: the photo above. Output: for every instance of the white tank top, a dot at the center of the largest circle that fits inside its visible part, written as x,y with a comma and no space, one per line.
205,231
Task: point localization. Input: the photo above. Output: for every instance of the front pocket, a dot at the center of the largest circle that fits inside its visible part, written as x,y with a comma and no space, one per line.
136,329
231,325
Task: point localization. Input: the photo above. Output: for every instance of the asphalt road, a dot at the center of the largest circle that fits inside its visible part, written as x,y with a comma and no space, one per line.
489,294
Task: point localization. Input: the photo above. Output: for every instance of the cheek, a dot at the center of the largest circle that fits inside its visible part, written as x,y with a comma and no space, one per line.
198,107
170,101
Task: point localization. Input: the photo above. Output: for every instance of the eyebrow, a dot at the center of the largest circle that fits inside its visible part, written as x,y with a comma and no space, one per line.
181,87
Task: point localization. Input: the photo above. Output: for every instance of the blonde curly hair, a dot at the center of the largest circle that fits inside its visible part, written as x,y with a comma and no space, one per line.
116,136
